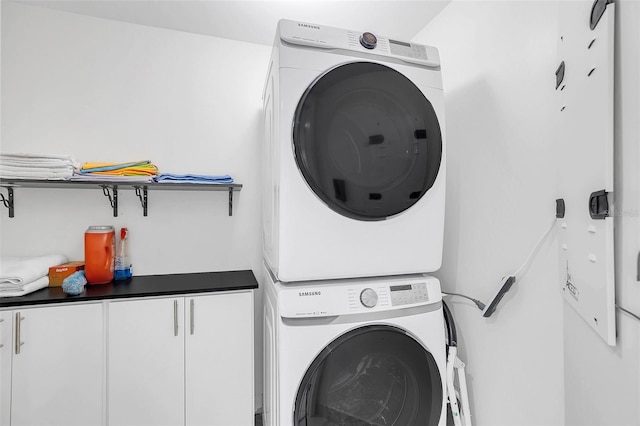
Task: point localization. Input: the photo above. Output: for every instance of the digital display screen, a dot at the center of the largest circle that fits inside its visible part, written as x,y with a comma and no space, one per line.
400,287
399,43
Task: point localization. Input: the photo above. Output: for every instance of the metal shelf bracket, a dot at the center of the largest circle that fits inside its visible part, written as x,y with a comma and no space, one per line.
141,192
110,190
8,201
113,200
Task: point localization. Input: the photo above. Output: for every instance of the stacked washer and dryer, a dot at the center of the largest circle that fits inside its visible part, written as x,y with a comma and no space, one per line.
353,209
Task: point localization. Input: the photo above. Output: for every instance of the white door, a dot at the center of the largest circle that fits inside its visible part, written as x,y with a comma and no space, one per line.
58,368
146,362
6,346
219,360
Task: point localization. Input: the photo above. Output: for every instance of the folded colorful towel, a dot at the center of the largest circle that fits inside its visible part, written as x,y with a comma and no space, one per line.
95,177
138,168
174,178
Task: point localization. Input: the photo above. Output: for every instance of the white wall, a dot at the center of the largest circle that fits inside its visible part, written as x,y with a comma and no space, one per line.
602,383
499,60
102,90
498,63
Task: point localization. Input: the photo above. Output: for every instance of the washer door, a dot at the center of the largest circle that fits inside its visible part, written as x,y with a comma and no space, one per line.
374,375
367,141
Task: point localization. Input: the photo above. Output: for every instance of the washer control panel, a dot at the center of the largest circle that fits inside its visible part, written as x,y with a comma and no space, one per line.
408,294
356,296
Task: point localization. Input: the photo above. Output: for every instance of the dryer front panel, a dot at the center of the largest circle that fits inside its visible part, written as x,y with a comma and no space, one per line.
373,375
367,141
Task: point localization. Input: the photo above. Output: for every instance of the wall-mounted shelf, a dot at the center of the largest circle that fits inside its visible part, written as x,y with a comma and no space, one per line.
110,189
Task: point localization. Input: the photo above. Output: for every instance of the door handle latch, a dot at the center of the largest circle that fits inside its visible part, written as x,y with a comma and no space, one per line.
599,205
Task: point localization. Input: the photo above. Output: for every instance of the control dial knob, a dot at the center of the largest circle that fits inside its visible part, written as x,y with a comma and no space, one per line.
368,40
368,297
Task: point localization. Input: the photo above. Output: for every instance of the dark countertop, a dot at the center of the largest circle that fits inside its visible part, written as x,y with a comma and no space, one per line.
141,286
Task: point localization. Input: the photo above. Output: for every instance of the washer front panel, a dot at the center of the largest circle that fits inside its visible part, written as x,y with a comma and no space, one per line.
373,375
367,141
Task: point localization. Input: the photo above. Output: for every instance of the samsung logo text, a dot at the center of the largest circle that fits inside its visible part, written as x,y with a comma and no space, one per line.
312,27
309,293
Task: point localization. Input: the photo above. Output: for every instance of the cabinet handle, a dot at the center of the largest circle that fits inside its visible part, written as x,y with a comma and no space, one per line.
175,317
18,342
192,321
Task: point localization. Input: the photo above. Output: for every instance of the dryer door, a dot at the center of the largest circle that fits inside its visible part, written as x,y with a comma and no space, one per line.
367,140
373,375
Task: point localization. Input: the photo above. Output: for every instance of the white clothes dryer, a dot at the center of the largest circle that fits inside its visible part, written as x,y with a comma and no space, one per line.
354,352
354,177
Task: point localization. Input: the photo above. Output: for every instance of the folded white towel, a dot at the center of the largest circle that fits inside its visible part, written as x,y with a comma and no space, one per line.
16,271
38,161
25,289
36,168
23,155
19,159
28,174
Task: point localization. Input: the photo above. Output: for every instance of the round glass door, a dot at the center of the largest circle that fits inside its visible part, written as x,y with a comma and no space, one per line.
374,375
367,141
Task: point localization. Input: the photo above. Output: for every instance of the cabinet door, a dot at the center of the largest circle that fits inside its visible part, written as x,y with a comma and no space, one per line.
6,346
219,360
58,369
146,362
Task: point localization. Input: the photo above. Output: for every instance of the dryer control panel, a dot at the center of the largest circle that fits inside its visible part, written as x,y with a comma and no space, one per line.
356,296
324,37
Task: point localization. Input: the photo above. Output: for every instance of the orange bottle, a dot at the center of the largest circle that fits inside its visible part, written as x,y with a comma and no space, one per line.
99,254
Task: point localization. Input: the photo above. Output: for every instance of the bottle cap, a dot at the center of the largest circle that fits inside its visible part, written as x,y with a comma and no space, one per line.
123,233
99,229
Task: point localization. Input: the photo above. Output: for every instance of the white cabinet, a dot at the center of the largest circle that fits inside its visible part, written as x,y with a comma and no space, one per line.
219,360
6,327
181,360
56,360
146,362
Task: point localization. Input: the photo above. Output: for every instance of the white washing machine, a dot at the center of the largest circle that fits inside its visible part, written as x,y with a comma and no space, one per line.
354,177
354,352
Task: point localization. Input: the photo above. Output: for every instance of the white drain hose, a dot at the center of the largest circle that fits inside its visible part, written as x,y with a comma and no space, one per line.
456,366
